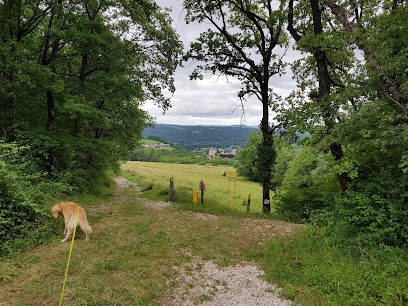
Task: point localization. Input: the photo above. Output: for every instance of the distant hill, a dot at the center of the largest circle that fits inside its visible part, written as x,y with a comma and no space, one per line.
202,136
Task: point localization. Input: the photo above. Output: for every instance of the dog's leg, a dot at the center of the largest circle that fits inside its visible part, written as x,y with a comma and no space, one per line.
69,232
66,226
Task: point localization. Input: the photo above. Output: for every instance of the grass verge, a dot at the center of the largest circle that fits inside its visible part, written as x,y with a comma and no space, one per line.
314,269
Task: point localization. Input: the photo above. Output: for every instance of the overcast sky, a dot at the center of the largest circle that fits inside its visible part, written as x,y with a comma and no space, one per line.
213,100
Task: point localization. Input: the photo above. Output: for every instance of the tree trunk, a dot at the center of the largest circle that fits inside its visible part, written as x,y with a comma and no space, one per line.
266,153
50,110
82,78
324,91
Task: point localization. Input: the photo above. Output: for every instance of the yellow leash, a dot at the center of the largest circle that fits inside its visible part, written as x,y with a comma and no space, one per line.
69,257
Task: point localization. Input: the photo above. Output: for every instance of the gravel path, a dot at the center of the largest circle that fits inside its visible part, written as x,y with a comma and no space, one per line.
204,283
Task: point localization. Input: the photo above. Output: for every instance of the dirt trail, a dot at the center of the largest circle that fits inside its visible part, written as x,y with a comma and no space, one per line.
211,285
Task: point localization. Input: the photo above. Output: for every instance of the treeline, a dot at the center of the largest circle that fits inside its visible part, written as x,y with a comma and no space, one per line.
351,96
304,176
197,137
73,76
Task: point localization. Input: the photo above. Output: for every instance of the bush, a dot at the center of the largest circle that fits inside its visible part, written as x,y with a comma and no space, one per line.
307,187
376,208
299,205
21,214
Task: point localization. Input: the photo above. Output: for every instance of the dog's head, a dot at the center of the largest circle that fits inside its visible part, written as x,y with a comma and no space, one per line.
56,211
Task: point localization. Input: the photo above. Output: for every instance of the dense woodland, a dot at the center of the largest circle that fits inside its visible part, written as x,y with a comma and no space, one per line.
73,75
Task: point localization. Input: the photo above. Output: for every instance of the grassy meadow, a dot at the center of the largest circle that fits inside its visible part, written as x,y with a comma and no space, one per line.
154,178
134,249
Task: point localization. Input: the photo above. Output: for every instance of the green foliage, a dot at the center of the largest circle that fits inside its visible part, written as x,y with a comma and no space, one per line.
308,186
178,155
23,218
73,76
248,158
315,268
357,120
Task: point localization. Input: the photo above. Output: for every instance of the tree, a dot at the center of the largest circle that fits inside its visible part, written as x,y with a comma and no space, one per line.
73,77
241,46
248,158
364,105
331,58
361,13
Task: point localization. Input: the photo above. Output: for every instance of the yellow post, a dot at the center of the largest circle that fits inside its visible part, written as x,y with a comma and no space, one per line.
195,197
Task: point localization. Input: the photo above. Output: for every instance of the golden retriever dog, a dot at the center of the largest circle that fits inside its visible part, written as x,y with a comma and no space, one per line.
69,210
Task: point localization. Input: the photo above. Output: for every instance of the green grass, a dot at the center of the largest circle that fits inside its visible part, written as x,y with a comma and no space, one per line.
154,178
129,259
133,249
148,141
315,270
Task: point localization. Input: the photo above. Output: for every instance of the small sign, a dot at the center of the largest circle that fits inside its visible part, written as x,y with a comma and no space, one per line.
202,185
230,174
266,201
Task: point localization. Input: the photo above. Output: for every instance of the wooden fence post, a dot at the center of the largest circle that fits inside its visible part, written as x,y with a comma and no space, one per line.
249,202
171,189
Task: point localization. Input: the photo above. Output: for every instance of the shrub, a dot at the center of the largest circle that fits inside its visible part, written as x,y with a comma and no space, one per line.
21,214
376,208
307,187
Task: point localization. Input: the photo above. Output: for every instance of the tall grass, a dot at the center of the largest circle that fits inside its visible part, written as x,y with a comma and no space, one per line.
154,178
315,269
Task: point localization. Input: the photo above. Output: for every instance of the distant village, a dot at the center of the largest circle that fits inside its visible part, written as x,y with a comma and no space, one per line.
212,152
156,145
223,153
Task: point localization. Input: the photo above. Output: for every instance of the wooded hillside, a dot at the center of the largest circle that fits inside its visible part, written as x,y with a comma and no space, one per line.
196,137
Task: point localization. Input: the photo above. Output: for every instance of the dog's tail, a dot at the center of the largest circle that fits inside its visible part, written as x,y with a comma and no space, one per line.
85,226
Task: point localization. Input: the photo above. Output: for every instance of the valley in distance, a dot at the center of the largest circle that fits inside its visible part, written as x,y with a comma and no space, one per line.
202,136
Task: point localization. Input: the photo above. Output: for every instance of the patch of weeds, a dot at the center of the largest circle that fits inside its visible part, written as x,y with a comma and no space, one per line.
201,299
199,267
